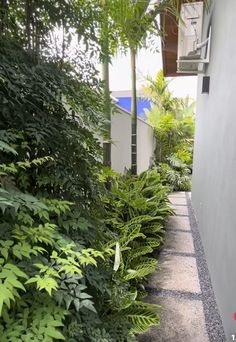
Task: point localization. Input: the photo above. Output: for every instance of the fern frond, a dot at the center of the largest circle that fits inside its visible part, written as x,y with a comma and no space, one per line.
152,229
141,318
140,251
141,271
154,242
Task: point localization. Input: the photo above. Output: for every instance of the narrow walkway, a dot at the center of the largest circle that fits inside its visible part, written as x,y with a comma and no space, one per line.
182,283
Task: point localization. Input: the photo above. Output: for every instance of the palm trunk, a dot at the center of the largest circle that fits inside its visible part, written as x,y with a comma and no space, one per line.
107,99
107,107
133,114
3,17
28,12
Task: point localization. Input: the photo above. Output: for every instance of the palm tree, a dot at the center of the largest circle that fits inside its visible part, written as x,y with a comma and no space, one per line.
157,91
163,101
134,20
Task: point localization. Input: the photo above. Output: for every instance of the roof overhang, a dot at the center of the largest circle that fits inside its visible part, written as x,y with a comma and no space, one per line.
169,26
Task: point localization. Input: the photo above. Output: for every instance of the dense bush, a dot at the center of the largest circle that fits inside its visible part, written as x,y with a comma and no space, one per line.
173,121
175,174
72,254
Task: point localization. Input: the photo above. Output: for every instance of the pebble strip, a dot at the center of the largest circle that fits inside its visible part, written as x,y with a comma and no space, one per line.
179,205
174,294
166,252
214,324
179,230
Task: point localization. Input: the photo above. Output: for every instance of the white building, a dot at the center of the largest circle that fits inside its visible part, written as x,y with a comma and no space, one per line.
214,181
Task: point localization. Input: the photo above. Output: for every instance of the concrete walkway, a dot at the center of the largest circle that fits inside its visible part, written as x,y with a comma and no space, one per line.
182,283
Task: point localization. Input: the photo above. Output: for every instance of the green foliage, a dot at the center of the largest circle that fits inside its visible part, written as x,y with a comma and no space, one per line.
35,26
37,322
173,121
176,175
35,252
143,316
62,231
137,209
49,161
161,97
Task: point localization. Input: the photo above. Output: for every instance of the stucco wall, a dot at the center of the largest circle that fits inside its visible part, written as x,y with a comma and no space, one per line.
145,145
214,178
121,143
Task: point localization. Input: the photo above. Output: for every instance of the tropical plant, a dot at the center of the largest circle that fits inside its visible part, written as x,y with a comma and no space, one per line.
38,261
73,255
48,174
158,92
173,122
175,174
55,210
135,21
137,209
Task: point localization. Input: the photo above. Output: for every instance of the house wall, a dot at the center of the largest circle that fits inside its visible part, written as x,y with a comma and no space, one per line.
214,178
121,143
145,145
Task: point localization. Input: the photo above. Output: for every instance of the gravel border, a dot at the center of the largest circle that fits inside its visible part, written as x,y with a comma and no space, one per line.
178,230
170,252
179,205
213,320
174,294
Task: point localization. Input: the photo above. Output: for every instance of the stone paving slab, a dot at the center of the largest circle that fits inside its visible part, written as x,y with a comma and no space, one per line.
189,310
179,223
182,320
177,273
180,194
180,242
180,209
178,200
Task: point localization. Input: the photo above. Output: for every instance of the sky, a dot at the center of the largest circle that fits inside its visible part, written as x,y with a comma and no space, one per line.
148,63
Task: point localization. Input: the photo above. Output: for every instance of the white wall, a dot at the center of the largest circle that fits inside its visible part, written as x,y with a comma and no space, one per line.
145,145
214,178
121,143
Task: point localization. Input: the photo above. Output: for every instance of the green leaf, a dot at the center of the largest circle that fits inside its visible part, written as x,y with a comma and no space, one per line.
14,282
7,148
52,332
16,270
5,296
142,318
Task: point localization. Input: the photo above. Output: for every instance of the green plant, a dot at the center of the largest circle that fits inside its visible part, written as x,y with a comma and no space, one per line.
73,255
135,22
137,209
176,174
37,261
50,224
173,122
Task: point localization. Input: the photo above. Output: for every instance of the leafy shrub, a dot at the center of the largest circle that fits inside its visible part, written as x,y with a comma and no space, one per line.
176,174
73,255
37,260
137,209
49,183
173,122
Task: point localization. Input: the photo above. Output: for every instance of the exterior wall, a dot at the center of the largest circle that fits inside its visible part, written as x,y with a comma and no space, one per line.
145,146
214,178
121,143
